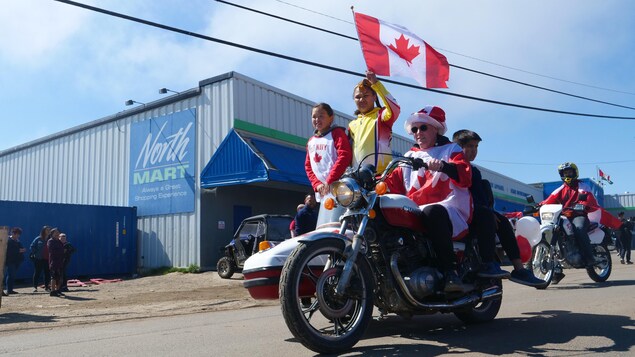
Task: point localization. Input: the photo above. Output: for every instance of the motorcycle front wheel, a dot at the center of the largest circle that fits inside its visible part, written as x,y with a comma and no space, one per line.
542,263
319,318
601,272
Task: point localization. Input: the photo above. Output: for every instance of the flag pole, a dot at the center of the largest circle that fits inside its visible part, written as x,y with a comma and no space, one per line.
377,103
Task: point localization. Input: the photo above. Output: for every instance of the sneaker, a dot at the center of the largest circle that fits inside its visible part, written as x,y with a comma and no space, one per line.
526,277
35,290
557,277
629,262
54,293
59,293
622,261
13,292
452,283
492,270
4,294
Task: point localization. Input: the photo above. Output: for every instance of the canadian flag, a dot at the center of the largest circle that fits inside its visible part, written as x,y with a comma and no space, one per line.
393,50
604,176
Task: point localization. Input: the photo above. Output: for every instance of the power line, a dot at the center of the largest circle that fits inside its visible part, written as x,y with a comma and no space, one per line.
554,164
476,59
451,65
319,65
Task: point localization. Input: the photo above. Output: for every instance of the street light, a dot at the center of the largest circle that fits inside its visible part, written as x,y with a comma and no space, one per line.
165,90
131,102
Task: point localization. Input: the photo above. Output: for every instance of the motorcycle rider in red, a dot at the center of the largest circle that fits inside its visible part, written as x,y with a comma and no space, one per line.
568,195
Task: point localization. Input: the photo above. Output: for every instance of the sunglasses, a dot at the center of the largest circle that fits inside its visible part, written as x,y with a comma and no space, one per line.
415,129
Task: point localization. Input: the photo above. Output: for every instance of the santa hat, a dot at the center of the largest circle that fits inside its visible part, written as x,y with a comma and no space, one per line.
431,115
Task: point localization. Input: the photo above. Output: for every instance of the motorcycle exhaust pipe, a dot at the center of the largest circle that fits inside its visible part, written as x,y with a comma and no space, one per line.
463,301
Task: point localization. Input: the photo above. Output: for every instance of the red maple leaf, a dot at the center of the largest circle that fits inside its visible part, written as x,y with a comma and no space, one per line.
405,50
317,158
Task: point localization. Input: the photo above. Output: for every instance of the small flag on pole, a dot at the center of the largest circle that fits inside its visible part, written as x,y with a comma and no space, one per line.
604,176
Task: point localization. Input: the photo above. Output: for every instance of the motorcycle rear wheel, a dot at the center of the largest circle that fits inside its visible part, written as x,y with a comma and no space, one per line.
482,312
542,263
315,315
601,272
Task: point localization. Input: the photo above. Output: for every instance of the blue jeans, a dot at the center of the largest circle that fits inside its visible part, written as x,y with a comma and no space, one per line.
580,231
9,276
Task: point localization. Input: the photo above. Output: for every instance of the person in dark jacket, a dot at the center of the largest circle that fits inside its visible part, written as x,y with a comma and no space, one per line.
56,261
487,223
625,237
68,251
306,218
15,256
40,257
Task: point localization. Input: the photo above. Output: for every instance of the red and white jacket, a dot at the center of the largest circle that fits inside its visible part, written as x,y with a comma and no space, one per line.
426,187
327,157
567,196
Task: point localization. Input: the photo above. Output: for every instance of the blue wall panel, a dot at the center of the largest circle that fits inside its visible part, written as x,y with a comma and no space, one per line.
105,237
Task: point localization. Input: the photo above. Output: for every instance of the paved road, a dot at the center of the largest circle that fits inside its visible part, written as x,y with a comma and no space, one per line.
576,317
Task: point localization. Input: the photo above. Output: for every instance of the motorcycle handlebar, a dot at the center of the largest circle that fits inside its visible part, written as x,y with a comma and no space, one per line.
415,163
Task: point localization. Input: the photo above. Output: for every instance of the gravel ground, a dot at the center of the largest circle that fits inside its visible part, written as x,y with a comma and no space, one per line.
170,294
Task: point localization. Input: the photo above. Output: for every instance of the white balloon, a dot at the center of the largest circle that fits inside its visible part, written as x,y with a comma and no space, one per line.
529,227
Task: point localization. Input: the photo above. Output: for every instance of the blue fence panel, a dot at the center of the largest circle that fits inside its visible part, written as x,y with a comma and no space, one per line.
105,237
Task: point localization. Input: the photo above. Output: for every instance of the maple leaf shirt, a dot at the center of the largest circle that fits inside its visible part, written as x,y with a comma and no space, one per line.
327,157
427,187
371,133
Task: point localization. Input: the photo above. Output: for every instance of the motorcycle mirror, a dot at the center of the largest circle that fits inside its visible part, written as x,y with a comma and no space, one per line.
530,198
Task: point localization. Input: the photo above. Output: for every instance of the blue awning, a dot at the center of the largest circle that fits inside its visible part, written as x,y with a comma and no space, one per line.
243,160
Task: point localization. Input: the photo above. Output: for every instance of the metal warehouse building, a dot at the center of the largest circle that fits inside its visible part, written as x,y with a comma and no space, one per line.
194,164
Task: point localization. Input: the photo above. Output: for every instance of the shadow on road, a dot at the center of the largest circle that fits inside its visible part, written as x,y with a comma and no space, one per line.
14,317
593,285
538,333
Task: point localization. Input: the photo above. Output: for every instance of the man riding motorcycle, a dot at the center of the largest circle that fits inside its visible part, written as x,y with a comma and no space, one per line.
568,195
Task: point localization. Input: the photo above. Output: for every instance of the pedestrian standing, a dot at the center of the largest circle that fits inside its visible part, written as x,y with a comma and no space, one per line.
40,257
68,251
56,261
626,237
15,257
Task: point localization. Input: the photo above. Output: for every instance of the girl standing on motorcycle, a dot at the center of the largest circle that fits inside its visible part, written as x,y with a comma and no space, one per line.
328,154
441,191
568,195
371,132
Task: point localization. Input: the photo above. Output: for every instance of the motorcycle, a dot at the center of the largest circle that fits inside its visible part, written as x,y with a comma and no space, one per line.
330,283
557,248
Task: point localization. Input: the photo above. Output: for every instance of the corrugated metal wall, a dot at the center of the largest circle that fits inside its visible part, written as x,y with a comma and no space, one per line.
90,165
617,203
270,107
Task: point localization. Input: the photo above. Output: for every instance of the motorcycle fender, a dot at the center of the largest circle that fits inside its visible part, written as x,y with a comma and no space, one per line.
596,236
547,233
316,235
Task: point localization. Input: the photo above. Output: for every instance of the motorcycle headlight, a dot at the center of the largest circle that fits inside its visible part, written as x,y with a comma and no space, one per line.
547,216
346,192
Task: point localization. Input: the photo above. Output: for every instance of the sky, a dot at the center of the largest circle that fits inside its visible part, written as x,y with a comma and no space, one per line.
62,66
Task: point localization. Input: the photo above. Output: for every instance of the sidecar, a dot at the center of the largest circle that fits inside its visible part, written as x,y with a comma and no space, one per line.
262,270
252,231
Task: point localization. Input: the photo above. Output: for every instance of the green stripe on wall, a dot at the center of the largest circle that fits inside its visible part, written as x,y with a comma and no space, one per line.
268,132
510,198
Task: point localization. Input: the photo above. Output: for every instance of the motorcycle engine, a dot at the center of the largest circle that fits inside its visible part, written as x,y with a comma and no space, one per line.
422,282
572,253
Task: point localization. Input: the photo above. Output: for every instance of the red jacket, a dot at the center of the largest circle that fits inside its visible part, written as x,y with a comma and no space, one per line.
568,196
